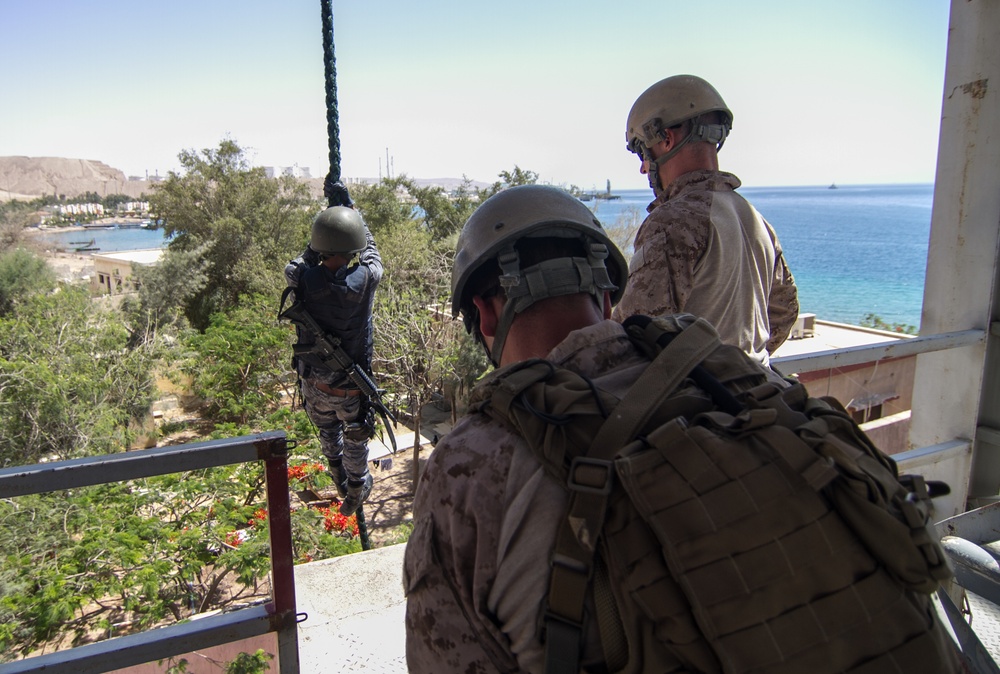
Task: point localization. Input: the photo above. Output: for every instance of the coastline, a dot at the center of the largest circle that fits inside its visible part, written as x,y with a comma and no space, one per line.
69,267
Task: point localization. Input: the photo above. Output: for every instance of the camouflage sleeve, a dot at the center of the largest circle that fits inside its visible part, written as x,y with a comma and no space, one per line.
668,248
783,302
449,565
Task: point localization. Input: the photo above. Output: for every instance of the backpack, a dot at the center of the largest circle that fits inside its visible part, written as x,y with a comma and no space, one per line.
724,520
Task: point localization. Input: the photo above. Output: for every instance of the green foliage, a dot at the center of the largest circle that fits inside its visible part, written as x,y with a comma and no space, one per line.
70,383
113,201
249,225
237,364
875,321
513,178
22,274
382,205
245,663
165,289
133,555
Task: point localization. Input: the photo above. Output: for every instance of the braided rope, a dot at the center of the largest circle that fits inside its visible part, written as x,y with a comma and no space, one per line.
330,67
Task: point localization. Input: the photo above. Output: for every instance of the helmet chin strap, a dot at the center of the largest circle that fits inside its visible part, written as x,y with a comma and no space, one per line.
707,133
551,278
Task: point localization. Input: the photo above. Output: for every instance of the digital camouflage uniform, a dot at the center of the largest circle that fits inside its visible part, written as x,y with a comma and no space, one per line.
704,250
341,302
485,518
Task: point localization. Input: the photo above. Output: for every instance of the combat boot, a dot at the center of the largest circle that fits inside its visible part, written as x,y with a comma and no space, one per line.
339,475
357,493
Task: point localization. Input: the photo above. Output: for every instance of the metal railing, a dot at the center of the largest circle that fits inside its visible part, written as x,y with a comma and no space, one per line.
277,616
869,353
280,615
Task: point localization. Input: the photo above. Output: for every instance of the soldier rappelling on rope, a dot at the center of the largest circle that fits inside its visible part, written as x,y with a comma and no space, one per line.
334,283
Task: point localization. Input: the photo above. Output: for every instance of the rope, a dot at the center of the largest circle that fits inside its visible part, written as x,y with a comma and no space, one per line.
332,120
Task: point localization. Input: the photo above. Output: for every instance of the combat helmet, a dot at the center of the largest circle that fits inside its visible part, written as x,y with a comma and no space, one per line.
668,103
338,230
491,235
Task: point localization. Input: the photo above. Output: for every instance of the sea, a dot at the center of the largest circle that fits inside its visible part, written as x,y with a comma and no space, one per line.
854,250
110,238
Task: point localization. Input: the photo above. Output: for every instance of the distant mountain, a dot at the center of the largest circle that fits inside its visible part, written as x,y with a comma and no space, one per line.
32,177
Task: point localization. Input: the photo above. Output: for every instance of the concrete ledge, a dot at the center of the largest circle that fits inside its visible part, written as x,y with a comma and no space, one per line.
355,612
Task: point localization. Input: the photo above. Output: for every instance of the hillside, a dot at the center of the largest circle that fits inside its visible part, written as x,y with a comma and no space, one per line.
31,177
25,178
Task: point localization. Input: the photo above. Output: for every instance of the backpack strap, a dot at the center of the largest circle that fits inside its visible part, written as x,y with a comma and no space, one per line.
590,478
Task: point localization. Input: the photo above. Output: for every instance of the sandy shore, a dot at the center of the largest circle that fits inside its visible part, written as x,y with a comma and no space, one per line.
67,266
70,266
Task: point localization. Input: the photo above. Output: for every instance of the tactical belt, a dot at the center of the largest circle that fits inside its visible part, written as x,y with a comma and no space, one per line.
339,392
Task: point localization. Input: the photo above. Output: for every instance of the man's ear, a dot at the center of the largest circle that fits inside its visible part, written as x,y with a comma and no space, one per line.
489,315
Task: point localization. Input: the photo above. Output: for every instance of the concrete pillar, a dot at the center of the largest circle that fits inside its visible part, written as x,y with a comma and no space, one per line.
955,391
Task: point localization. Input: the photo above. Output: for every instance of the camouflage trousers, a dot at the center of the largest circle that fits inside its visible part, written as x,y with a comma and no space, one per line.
330,413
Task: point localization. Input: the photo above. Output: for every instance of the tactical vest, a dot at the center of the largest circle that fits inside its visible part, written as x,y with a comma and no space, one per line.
342,307
747,533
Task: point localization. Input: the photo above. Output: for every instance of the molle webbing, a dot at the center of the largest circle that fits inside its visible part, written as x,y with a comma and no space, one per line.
776,540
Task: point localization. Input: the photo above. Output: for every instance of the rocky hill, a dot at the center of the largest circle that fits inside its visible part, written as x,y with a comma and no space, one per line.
27,178
32,177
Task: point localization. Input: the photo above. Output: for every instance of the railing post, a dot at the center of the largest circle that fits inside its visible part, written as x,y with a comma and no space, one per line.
279,513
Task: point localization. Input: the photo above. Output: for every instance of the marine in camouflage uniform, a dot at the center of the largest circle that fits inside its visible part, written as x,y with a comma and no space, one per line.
339,296
486,513
703,249
485,521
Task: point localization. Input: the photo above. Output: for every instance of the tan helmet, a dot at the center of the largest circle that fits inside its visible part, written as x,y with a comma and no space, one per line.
670,102
533,211
338,230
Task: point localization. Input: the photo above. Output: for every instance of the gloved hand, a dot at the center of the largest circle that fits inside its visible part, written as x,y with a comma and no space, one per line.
336,193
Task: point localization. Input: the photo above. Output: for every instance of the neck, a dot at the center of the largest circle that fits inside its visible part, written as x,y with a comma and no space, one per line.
540,328
692,157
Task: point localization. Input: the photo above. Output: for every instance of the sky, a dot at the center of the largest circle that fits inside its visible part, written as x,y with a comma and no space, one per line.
847,92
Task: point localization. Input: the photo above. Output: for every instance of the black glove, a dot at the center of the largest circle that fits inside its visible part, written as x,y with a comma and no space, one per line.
336,193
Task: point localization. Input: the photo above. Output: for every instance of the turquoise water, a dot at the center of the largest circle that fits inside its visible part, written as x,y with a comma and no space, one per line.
854,250
109,239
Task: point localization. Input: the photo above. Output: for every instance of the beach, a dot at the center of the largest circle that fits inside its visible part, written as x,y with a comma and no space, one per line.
70,266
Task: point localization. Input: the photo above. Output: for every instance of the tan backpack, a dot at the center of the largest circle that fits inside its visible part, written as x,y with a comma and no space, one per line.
724,521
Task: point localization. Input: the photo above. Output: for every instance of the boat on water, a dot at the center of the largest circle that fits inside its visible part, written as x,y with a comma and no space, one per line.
84,246
832,186
606,195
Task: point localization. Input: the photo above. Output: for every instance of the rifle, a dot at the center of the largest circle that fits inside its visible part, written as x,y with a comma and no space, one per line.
327,348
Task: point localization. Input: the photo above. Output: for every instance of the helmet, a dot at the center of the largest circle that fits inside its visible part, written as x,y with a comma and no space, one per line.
534,211
338,230
670,102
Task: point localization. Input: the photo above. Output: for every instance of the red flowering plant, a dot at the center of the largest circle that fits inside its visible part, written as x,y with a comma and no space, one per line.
334,522
308,475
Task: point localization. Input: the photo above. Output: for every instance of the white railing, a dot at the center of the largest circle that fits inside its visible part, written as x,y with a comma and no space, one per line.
869,353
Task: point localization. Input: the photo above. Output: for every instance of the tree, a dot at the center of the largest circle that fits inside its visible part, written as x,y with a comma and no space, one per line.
70,384
237,363
249,225
513,178
22,274
444,214
165,289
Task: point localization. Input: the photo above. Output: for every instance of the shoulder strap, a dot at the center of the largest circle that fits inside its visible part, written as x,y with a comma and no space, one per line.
590,480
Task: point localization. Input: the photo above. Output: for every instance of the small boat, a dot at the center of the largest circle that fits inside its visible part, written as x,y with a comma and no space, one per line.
83,246
832,186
